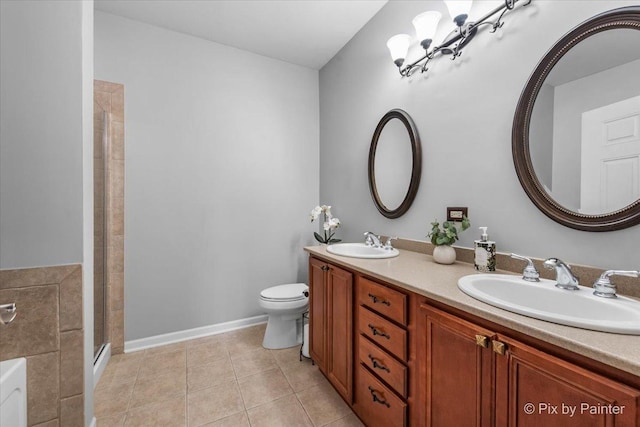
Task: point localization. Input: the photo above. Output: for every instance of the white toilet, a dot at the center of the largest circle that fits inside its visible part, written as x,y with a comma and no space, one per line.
284,304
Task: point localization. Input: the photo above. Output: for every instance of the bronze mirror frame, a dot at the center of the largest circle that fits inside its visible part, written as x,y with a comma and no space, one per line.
416,168
622,18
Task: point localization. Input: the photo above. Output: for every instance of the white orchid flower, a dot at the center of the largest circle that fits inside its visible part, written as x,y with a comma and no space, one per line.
331,224
315,213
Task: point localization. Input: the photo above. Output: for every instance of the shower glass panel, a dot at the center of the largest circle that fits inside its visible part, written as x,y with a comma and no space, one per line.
101,139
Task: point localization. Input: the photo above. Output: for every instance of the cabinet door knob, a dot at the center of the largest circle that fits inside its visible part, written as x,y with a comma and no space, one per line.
325,268
375,332
482,341
374,396
499,347
377,365
376,299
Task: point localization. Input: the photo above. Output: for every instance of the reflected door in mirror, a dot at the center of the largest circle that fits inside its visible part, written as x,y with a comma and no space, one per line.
610,175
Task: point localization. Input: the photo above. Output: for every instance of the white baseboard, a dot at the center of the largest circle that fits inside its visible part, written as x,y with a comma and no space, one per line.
189,334
100,364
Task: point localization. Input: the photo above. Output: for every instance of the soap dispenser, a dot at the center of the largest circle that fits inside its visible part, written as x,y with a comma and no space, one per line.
485,252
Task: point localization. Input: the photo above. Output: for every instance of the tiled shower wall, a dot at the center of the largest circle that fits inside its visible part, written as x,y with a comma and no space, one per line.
48,331
109,98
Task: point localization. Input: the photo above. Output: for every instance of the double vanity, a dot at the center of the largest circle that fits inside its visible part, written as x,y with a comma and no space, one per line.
405,346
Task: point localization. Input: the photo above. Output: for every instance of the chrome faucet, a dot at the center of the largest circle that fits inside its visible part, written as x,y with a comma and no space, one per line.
605,288
372,239
564,276
530,273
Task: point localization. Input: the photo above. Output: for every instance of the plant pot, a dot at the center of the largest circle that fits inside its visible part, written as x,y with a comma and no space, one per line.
444,254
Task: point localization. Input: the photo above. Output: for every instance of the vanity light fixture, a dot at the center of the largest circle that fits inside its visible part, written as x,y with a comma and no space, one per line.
426,25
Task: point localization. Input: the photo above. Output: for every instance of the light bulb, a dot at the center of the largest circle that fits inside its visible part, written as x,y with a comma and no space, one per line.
399,46
426,25
459,10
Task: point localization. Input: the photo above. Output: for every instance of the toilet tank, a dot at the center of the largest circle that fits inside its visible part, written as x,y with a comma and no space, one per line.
13,393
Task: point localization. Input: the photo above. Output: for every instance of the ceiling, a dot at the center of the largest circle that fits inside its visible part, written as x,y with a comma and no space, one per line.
303,32
596,53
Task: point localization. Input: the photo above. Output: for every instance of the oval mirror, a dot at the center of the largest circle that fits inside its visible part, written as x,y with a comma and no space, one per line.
395,164
576,131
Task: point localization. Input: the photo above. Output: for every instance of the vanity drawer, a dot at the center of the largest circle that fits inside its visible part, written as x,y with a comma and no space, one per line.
381,331
383,299
383,365
377,405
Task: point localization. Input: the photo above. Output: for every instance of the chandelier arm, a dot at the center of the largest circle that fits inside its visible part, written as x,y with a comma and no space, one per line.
454,44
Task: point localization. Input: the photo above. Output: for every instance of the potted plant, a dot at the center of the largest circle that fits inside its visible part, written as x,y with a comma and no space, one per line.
329,225
443,237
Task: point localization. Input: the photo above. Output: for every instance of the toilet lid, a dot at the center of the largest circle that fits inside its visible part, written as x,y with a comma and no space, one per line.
290,292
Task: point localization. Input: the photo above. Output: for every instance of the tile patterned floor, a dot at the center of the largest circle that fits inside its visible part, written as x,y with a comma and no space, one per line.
221,380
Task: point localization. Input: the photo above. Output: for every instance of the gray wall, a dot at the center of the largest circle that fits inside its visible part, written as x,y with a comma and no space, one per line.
464,111
541,136
40,134
46,145
221,172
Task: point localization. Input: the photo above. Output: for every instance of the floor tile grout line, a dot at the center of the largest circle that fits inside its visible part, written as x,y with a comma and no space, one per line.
305,410
186,385
246,344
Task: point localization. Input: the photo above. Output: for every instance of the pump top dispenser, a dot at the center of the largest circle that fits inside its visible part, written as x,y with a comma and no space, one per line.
485,252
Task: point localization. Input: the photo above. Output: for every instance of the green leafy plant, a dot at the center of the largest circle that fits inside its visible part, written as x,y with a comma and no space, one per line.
448,234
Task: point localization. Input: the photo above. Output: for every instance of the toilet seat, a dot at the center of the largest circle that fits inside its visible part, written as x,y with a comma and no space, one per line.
290,292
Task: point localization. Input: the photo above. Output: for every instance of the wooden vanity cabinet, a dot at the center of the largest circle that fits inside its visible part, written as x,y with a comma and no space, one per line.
469,375
455,371
331,323
527,375
399,359
382,363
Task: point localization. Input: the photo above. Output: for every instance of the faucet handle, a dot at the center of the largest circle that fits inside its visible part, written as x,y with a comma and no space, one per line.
604,287
7,313
372,239
387,244
530,273
368,240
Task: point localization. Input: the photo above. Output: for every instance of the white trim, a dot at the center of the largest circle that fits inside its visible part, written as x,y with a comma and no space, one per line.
189,334
93,422
100,364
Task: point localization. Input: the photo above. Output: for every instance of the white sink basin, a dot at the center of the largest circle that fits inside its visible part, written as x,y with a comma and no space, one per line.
360,250
542,300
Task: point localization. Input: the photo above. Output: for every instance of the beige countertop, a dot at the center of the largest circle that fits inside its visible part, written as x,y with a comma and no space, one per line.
417,272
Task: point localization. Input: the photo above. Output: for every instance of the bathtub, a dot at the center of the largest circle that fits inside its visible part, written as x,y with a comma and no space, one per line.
13,393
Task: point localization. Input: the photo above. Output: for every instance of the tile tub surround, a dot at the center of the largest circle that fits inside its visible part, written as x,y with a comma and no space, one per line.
48,331
417,272
221,380
109,97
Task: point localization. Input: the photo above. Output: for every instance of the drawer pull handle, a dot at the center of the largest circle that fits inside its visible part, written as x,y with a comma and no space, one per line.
482,341
499,347
376,399
375,332
377,365
377,299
